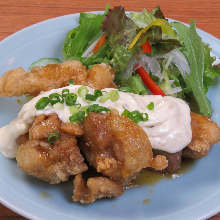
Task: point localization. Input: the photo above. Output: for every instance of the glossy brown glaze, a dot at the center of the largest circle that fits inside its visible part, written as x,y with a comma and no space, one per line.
150,177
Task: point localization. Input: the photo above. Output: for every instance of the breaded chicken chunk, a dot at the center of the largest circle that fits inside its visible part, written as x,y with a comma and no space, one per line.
174,160
101,76
204,134
116,146
95,188
18,82
43,126
71,128
51,162
159,162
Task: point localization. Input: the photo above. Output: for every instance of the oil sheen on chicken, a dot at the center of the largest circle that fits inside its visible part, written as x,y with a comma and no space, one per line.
17,82
53,163
115,145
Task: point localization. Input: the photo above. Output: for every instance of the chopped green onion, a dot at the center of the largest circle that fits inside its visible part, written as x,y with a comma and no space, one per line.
104,98
97,108
84,108
55,98
70,99
74,109
42,103
82,91
146,117
53,137
70,82
90,97
44,61
65,92
97,93
77,117
112,95
126,89
135,116
150,106
59,106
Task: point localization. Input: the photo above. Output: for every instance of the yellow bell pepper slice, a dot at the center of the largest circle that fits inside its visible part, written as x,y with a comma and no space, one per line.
164,24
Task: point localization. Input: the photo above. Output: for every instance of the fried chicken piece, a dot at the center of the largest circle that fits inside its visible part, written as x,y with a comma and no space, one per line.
95,188
22,139
174,160
204,134
159,162
101,76
72,128
51,163
17,82
115,145
43,126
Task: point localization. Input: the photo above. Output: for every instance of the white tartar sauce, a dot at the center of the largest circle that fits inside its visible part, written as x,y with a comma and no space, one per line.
168,127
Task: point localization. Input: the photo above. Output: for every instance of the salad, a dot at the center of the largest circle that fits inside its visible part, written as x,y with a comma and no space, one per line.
149,54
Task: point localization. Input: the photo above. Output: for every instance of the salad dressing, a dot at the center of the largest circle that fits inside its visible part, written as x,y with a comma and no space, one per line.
168,127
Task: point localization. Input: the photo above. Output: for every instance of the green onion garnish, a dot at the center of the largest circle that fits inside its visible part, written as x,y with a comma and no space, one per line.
77,117
135,116
84,108
112,95
70,99
126,89
97,93
82,91
150,106
53,137
55,98
59,106
97,108
42,103
104,98
74,109
90,97
70,82
65,92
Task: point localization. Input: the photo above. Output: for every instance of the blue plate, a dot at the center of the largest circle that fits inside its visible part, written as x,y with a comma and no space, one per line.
195,195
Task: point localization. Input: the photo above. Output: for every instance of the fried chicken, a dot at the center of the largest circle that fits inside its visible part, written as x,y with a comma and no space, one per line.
53,163
204,134
17,82
95,188
159,162
72,128
22,139
43,126
116,146
174,160
101,76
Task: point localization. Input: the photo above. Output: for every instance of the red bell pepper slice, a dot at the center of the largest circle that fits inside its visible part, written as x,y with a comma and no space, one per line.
151,85
146,47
